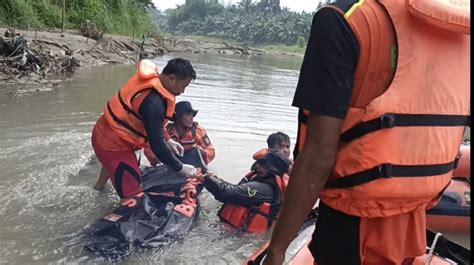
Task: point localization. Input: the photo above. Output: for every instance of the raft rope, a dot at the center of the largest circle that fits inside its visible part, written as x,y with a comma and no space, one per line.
432,248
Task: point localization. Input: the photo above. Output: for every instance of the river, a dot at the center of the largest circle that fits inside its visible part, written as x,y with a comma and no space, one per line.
48,168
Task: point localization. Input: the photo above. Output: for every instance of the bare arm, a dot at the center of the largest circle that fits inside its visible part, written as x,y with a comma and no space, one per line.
308,177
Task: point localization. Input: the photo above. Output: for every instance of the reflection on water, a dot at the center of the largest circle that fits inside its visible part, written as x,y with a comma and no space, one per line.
47,168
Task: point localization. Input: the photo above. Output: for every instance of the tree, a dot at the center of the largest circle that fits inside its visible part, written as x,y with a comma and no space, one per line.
269,6
246,5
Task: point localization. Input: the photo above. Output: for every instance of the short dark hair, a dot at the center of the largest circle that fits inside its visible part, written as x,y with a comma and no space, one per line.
276,138
181,68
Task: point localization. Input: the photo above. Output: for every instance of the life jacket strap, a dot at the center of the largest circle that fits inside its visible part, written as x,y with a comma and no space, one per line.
390,120
254,211
124,124
389,171
257,211
126,107
302,117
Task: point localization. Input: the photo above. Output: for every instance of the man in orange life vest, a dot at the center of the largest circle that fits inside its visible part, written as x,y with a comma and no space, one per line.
277,142
134,118
254,203
187,132
383,98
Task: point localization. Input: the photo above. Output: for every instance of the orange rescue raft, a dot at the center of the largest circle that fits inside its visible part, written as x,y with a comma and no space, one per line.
453,211
445,252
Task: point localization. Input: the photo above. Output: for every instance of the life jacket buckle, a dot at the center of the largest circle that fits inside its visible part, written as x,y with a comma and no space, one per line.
385,170
387,120
456,160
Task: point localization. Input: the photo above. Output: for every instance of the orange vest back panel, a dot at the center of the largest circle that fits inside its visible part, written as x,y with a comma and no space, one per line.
398,147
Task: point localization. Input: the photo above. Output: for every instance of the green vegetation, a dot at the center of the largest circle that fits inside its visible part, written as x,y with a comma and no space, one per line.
262,22
208,39
127,17
282,48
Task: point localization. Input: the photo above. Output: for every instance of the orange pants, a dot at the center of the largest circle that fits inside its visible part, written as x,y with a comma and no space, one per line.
118,158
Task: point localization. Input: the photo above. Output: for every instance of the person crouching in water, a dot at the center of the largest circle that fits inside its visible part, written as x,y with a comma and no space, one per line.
254,203
275,142
187,132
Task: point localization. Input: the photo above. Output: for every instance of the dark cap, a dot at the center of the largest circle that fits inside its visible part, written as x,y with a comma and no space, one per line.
182,107
277,162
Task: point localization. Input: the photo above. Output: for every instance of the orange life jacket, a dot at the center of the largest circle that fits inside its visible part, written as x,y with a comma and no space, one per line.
261,153
255,219
189,139
398,144
121,111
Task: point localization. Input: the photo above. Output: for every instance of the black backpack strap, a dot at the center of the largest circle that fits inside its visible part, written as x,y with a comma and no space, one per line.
390,120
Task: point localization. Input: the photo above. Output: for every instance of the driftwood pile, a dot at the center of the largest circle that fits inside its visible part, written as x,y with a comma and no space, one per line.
18,59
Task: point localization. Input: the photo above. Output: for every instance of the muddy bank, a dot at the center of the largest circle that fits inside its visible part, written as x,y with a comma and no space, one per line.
31,56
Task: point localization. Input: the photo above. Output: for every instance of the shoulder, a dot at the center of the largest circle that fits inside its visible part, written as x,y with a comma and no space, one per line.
344,5
152,98
199,128
329,14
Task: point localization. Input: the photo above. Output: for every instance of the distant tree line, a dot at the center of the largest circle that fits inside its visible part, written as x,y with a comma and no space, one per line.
261,21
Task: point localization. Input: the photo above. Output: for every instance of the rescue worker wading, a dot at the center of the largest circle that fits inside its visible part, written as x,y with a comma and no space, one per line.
383,99
186,132
134,118
253,204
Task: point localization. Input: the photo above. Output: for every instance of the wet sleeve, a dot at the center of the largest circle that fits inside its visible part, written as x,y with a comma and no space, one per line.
252,193
152,111
327,72
205,143
166,134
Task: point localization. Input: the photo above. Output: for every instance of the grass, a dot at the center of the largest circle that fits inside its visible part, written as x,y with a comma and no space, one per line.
208,39
282,48
272,48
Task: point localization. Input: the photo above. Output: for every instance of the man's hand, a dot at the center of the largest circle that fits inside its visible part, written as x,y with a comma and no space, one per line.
202,176
188,170
175,147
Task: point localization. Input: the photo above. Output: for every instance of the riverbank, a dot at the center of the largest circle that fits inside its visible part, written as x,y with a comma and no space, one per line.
32,56
279,49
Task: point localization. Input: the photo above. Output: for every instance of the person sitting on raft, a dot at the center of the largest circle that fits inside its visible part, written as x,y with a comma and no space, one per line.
275,142
187,132
253,204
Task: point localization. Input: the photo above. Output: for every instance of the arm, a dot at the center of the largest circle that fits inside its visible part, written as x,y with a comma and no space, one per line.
149,153
325,88
151,157
152,111
205,143
166,133
308,177
252,193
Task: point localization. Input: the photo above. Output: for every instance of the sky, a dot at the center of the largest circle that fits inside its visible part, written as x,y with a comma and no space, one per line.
294,5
